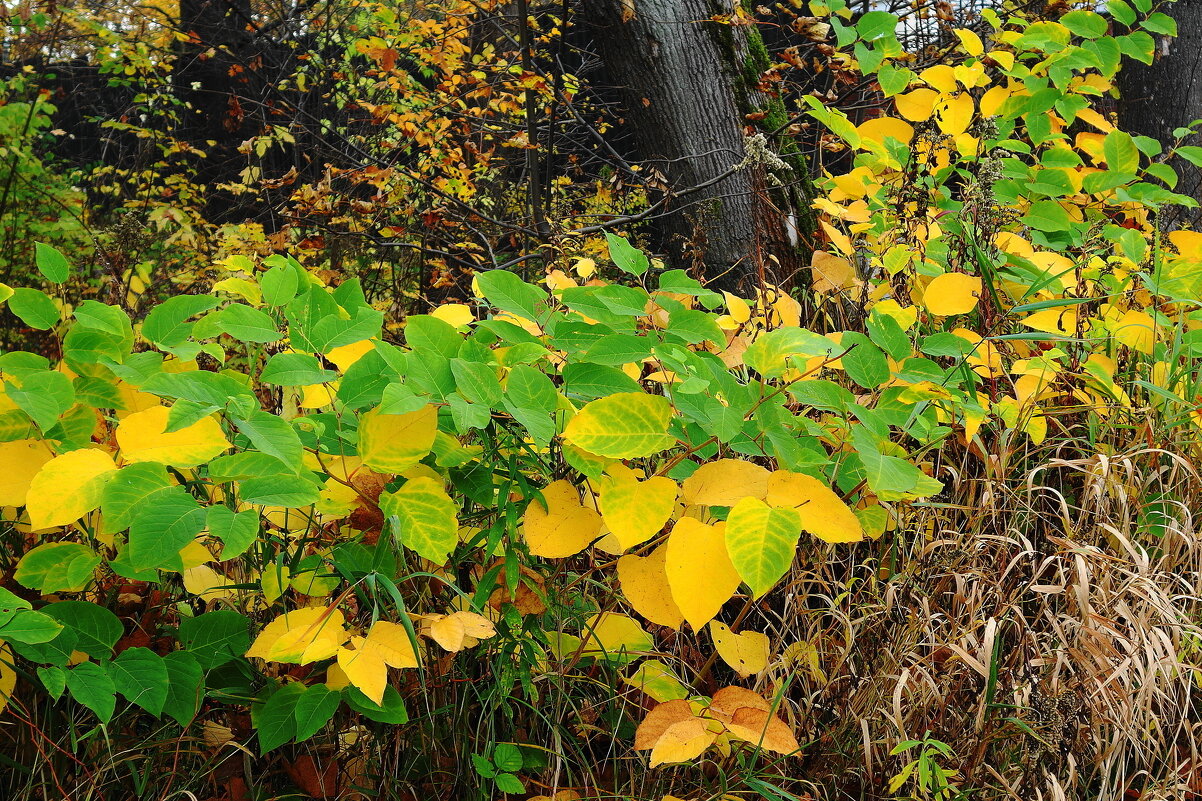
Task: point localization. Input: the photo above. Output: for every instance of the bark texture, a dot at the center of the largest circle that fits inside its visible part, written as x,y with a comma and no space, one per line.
686,85
1167,94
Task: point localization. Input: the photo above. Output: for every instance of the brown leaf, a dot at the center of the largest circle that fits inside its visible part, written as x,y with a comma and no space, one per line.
658,720
729,700
758,727
316,781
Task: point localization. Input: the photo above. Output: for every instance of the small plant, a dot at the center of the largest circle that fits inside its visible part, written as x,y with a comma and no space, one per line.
924,775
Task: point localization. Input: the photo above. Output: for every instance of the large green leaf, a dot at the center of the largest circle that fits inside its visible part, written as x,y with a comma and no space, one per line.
92,687
140,675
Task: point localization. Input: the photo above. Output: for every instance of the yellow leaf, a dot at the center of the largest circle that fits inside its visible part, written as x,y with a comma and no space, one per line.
822,512
971,42
746,652
1135,329
739,310
68,487
458,630
954,115
8,674
344,356
952,293
364,668
644,582
456,314
1054,321
879,129
1004,58
206,582
142,437
992,100
564,528
918,105
615,637
724,482
830,273
941,76
682,742
22,460
392,443
392,640
636,510
301,636
700,574
626,425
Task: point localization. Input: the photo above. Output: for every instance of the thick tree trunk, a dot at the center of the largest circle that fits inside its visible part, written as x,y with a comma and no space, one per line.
687,83
1167,94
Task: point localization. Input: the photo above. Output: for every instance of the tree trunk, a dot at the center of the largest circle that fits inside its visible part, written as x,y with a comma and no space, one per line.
1167,94
686,84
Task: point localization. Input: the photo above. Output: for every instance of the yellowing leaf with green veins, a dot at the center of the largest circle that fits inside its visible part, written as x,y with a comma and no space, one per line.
724,482
700,574
301,636
761,541
143,437
22,460
8,674
644,583
392,443
745,652
822,512
564,528
634,510
366,663
952,293
626,425
616,638
458,630
426,519
918,105
656,680
68,487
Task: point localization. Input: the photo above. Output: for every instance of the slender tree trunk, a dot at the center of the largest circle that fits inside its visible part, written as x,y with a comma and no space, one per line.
1166,95
687,84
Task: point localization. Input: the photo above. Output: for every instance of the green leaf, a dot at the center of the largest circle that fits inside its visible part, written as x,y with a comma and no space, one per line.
95,629
1085,23
507,757
477,381
275,720
54,680
507,292
167,324
185,686
45,396
625,256
28,626
170,519
215,638
866,365
127,493
1161,23
761,542
585,380
876,25
92,687
530,397
274,436
1121,12
279,284
509,784
52,264
1120,152
248,325
295,370
55,566
287,490
34,307
1047,216
236,530
425,514
314,710
141,677
391,710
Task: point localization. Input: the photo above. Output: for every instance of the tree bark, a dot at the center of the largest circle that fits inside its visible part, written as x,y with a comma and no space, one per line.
1167,94
686,84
